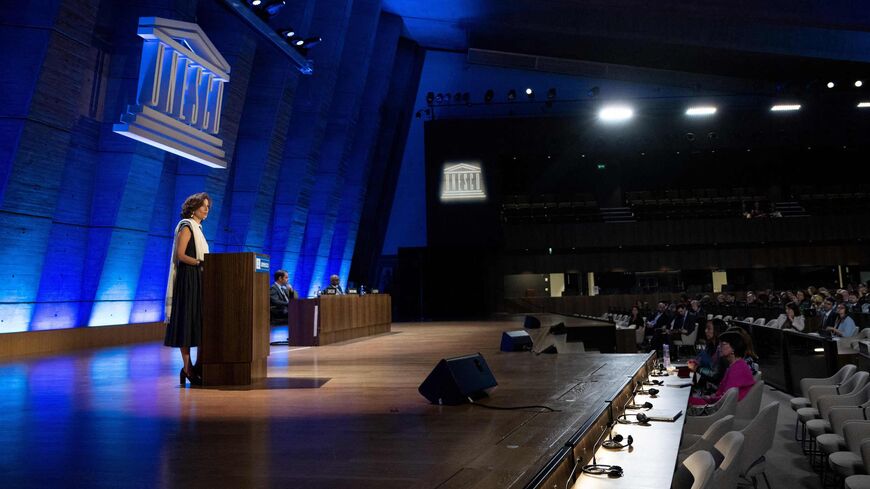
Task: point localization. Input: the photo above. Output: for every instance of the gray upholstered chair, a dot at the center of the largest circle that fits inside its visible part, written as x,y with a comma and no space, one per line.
849,462
806,383
725,406
701,465
730,447
861,481
747,408
853,384
758,438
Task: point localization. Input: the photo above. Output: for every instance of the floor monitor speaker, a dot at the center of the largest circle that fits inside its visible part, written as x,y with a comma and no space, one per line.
516,341
454,380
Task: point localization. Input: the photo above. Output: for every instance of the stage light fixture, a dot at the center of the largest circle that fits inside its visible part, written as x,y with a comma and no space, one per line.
430,98
298,42
488,96
310,42
616,113
466,97
864,105
700,111
512,94
439,98
273,7
530,93
859,83
256,3
831,84
457,97
551,94
448,98
785,107
288,33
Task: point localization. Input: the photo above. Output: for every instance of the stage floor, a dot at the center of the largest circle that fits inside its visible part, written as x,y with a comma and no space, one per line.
343,415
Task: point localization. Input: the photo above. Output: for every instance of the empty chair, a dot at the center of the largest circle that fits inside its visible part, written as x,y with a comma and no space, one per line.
747,408
821,426
758,438
691,443
806,383
849,462
773,323
759,321
749,319
701,466
853,384
861,481
725,406
709,317
730,447
718,316
726,318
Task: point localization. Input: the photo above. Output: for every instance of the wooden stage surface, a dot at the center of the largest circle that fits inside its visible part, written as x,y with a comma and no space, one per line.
347,415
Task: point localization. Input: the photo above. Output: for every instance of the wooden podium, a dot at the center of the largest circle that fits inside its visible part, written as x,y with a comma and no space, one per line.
235,318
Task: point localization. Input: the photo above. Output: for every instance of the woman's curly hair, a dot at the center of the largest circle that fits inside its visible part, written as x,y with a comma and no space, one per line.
193,203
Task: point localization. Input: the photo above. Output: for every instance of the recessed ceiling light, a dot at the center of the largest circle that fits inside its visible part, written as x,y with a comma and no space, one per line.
616,113
785,107
701,111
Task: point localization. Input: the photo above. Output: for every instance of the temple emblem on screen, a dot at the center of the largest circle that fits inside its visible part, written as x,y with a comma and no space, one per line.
462,181
180,93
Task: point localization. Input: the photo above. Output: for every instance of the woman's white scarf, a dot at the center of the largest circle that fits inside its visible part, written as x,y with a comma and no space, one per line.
201,249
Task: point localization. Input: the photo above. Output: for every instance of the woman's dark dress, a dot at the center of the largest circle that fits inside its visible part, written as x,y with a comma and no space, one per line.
185,322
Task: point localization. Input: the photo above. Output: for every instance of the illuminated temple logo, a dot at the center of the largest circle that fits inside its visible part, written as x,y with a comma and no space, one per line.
462,181
181,88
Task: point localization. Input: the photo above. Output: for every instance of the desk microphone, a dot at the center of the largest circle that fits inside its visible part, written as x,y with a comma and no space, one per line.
651,391
653,382
612,471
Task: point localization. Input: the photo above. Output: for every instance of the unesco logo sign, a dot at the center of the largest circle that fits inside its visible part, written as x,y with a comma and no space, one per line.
461,182
181,89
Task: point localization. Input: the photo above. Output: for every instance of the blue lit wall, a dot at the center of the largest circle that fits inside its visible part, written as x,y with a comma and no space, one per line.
86,215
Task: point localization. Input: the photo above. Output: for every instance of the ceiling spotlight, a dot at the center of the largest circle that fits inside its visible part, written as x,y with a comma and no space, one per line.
466,97
487,97
298,41
864,105
551,94
830,84
700,111
430,97
288,33
530,92
310,42
457,97
256,3
616,113
439,98
858,83
785,107
273,7
447,98
512,94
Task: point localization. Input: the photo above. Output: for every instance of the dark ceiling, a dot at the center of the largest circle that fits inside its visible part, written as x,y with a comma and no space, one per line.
771,40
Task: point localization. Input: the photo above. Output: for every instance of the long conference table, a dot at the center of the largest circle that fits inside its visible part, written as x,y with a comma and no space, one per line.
333,318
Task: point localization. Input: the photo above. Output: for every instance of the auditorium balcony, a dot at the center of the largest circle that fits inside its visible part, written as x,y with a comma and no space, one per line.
580,207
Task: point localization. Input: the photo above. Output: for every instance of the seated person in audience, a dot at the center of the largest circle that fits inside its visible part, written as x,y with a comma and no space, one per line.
738,374
793,317
635,319
335,284
816,302
750,298
683,322
656,328
280,294
749,355
707,364
852,302
844,325
828,314
697,312
803,302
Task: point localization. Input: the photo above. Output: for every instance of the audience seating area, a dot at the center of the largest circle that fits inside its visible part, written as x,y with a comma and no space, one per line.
550,208
707,203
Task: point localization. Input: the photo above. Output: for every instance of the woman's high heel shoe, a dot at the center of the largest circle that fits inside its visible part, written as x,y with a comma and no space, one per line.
194,379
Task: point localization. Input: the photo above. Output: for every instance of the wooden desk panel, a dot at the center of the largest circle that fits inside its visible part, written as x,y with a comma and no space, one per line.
331,319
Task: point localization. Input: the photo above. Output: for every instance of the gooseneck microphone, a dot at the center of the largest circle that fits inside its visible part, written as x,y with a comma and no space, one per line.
612,471
652,391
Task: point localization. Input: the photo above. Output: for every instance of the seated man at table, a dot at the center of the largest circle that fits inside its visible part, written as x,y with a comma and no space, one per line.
280,294
334,287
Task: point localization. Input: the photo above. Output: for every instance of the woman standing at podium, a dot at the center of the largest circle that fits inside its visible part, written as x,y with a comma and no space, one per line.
184,291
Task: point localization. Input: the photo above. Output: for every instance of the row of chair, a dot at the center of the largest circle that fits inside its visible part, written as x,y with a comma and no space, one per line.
833,425
736,436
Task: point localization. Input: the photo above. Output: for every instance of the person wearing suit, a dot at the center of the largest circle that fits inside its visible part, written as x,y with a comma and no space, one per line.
280,294
657,327
334,284
184,289
829,317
